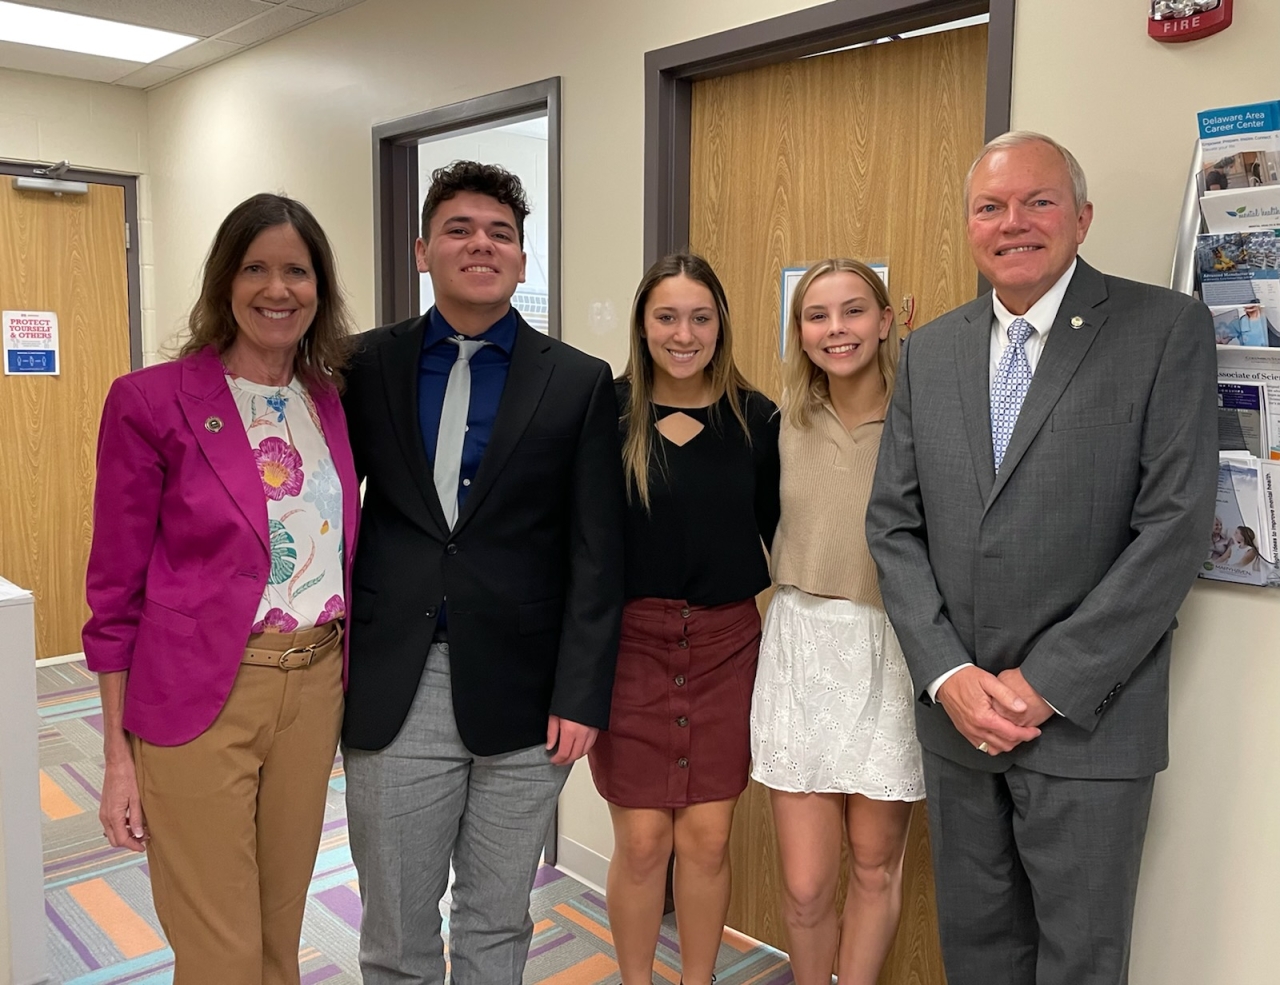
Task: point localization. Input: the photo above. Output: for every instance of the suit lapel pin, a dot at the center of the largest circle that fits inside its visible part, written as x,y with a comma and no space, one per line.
213,425
1076,321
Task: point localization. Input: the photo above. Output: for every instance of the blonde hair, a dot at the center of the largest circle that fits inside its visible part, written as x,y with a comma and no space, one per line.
722,373
804,385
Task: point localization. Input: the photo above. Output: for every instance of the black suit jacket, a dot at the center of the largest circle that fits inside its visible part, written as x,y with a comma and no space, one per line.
532,570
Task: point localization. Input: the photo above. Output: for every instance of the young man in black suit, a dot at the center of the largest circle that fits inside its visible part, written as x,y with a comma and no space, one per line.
487,595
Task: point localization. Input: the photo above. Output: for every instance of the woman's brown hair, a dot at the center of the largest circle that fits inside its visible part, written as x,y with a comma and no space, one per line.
323,351
722,373
804,385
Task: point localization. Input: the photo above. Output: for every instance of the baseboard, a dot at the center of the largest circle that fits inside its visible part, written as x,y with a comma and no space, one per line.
587,866
66,658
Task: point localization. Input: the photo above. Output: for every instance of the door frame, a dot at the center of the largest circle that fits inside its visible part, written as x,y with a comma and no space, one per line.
133,262
395,188
669,74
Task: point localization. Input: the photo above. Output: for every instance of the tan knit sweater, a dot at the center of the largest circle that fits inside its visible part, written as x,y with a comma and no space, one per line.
821,543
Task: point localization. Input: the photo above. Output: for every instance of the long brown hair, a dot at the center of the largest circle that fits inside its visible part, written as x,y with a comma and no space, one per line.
722,373
323,351
804,385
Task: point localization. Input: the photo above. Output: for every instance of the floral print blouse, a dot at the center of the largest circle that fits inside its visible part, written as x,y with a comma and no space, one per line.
304,506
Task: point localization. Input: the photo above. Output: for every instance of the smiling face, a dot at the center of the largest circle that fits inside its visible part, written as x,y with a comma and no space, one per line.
474,258
681,327
842,325
1024,227
273,294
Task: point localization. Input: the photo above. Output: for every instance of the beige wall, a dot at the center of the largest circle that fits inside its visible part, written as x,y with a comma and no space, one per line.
295,115
1126,106
95,126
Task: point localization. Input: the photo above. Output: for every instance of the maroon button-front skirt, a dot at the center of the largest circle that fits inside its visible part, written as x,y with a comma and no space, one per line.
679,728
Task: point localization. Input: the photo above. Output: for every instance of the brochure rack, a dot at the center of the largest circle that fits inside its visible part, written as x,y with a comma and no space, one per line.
1190,225
1244,547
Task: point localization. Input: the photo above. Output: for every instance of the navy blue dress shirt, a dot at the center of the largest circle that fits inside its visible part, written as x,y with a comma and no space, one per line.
489,366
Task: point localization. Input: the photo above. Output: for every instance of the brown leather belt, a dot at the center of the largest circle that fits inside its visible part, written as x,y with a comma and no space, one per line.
288,655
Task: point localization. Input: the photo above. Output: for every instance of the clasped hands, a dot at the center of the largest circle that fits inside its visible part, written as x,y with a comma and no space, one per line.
1002,711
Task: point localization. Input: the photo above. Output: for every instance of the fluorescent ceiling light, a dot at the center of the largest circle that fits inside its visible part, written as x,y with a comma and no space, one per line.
87,35
919,32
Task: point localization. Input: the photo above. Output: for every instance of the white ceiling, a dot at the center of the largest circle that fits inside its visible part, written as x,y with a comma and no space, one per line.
225,28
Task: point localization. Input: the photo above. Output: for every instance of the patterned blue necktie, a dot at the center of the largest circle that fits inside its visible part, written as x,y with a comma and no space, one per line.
1009,388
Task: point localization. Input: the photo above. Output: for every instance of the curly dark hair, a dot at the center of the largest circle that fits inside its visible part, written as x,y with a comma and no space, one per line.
484,179
324,349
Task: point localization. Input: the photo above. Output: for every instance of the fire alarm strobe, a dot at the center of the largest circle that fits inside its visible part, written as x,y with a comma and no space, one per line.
1188,20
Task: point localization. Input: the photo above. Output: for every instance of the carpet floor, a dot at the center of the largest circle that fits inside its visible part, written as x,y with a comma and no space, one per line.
102,929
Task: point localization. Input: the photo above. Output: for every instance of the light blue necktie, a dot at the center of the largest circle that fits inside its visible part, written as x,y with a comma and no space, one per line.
453,428
1009,388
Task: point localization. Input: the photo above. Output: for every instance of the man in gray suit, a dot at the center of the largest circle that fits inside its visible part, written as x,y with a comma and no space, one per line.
1043,496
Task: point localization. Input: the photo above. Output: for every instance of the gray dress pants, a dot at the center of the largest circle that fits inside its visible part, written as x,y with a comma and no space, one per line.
1036,875
423,801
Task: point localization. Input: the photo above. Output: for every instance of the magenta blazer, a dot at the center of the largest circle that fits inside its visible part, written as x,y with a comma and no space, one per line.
180,554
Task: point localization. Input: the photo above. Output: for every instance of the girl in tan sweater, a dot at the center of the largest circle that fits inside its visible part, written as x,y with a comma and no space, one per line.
832,727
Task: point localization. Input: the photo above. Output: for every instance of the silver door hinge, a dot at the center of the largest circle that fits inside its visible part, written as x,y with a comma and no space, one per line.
128,238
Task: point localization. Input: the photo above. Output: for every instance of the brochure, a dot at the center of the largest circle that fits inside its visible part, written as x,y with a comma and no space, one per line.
1241,269
1258,369
1240,418
1240,147
1242,211
1242,546
1242,324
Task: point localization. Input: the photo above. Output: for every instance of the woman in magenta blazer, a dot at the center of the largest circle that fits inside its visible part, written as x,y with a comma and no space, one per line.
224,523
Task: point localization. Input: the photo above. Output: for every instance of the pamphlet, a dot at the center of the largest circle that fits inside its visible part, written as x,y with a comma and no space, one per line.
1241,269
1242,546
1242,324
1240,147
1240,418
1258,369
1242,211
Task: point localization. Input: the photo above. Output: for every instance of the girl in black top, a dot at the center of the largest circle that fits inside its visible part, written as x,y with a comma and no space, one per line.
700,449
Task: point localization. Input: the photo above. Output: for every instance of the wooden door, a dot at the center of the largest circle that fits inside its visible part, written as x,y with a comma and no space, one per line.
65,255
861,153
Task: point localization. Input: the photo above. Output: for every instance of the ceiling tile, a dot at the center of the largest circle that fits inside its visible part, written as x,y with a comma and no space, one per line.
148,76
202,18
276,21
50,61
238,24
200,53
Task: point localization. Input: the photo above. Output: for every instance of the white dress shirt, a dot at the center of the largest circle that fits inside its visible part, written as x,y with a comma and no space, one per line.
1041,315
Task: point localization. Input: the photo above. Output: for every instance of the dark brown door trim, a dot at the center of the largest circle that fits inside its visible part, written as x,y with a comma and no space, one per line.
395,188
669,74
133,251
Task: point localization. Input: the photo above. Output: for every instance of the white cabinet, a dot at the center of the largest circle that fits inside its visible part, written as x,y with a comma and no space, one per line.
23,957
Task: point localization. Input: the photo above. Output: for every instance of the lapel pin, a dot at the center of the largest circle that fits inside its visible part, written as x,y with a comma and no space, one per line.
1076,321
213,425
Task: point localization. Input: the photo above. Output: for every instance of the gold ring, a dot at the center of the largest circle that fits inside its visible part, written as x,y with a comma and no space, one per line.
983,747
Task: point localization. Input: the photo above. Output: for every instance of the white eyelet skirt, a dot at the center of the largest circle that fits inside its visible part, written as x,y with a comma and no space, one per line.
833,709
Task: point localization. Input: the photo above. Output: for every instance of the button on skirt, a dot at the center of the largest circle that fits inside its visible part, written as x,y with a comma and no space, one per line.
679,728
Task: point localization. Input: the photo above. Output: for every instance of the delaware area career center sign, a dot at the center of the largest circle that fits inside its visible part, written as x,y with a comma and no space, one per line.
30,343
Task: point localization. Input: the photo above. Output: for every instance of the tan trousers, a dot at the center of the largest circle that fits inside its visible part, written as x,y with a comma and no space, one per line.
235,817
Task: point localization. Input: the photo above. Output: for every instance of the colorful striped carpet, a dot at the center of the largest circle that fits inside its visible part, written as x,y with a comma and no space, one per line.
103,930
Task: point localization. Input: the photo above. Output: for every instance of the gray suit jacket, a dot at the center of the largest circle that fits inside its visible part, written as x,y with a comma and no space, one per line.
1072,563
